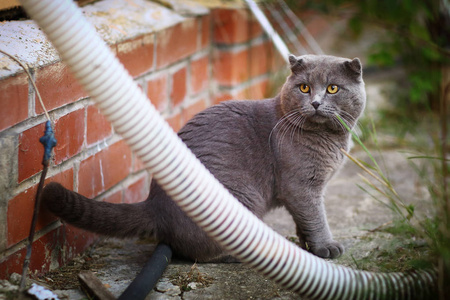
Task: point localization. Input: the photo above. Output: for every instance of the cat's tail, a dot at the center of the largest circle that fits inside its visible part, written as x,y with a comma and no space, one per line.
118,220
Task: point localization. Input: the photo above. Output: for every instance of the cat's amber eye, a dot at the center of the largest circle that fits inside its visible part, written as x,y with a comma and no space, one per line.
304,88
332,89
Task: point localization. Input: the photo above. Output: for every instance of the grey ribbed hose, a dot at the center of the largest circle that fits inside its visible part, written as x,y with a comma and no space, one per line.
191,185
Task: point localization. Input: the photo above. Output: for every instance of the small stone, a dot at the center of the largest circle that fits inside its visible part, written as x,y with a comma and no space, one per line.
7,287
166,287
192,285
15,278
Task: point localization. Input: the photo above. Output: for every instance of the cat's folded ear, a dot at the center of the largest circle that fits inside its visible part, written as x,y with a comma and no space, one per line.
354,66
295,63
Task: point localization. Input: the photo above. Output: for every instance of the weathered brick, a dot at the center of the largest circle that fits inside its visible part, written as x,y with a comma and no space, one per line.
98,127
259,59
103,170
205,31
114,198
69,133
57,87
13,100
157,92
223,96
30,152
230,67
231,26
199,75
256,91
77,240
178,91
21,207
41,260
137,191
175,121
176,42
138,165
50,251
192,109
137,54
12,264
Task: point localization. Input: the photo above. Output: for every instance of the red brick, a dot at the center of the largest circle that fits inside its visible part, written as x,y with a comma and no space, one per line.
199,75
176,42
21,207
192,110
230,68
175,122
276,61
259,59
69,133
114,198
57,87
256,91
40,260
12,264
231,26
137,54
137,164
137,191
46,252
30,152
103,170
51,250
13,100
223,97
98,127
205,30
178,91
77,240
157,92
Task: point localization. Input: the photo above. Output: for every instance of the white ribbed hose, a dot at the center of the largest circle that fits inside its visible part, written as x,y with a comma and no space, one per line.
191,185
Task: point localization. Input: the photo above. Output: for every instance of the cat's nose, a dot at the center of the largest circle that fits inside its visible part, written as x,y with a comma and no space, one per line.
315,104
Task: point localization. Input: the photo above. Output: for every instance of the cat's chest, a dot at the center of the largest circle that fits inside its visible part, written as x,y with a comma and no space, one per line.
312,158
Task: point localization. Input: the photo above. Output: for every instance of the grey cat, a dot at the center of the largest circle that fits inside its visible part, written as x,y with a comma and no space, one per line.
267,153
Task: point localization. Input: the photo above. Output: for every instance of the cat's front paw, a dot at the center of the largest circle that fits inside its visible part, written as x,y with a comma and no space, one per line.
330,249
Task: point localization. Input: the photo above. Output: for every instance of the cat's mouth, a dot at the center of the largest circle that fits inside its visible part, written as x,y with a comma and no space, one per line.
319,116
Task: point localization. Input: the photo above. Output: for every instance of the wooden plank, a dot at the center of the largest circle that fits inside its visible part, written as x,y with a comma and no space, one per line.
92,286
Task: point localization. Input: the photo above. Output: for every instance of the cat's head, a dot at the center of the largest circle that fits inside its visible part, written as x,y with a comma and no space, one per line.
321,87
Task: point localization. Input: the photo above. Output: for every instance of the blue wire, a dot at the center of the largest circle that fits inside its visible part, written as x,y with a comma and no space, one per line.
48,140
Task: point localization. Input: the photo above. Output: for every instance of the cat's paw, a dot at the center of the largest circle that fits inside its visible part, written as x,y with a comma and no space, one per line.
330,249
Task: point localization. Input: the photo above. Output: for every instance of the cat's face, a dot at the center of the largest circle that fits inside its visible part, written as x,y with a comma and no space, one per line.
321,87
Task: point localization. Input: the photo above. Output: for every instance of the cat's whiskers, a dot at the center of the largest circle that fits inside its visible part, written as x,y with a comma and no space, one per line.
356,124
295,124
348,119
290,122
282,123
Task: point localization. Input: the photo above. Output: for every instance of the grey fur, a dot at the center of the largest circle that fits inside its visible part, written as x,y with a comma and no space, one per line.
268,153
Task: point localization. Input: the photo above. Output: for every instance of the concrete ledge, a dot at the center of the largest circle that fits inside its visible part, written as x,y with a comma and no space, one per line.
115,21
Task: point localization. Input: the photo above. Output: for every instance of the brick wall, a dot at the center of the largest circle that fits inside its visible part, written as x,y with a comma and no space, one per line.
188,65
